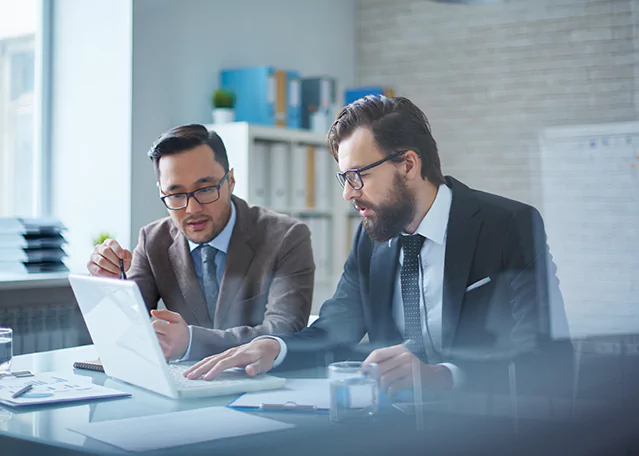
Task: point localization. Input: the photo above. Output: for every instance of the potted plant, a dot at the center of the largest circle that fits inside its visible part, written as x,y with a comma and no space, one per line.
223,104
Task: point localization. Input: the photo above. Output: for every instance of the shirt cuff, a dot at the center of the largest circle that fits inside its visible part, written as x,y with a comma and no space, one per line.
283,349
459,378
188,350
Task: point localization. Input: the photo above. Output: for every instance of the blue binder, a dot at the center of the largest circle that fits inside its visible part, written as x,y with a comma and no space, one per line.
254,89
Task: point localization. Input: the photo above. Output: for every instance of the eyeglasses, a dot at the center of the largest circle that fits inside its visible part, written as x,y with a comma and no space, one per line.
354,176
206,195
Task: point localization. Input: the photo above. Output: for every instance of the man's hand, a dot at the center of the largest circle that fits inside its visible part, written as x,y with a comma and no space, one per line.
396,366
105,259
173,333
257,357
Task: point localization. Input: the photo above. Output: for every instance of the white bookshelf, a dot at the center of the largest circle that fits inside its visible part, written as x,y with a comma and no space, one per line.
328,212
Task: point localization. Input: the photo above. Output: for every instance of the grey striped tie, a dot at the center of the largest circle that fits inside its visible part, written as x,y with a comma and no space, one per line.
209,278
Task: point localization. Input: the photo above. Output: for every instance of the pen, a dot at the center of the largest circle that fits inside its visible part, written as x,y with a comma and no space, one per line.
122,273
287,406
21,391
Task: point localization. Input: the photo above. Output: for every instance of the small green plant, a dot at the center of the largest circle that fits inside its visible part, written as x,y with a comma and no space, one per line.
100,238
223,98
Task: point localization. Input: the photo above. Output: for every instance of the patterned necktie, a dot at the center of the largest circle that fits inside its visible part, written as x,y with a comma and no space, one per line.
412,245
209,278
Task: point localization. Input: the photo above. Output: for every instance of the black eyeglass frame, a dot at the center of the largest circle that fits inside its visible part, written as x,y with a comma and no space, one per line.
194,195
342,177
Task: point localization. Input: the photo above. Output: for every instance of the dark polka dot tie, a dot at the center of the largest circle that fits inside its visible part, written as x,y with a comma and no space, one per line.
412,246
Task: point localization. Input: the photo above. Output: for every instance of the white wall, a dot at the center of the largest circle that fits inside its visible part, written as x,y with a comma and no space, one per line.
180,46
127,70
91,121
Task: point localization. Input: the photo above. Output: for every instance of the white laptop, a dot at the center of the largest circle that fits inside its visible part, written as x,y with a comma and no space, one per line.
120,326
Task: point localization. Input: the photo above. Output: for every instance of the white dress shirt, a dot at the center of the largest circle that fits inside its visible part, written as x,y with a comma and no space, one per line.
431,276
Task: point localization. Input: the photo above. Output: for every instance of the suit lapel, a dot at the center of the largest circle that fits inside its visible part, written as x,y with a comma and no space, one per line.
182,264
238,260
383,270
461,239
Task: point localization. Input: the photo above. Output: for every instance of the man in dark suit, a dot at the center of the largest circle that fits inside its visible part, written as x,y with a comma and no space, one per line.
448,280
226,271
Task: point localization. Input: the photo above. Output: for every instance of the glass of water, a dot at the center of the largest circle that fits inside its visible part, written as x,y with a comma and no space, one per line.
6,349
354,390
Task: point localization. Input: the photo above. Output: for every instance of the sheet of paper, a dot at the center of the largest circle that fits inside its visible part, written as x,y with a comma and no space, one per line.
53,387
187,427
301,391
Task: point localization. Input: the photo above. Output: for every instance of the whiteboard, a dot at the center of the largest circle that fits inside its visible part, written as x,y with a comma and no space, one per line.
590,190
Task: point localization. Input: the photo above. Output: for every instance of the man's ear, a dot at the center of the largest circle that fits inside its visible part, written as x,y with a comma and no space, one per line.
231,180
412,164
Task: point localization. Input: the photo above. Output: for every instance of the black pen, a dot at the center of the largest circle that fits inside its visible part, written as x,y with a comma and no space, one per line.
21,391
122,273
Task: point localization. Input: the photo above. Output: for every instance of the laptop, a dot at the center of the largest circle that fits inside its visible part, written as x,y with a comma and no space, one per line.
120,326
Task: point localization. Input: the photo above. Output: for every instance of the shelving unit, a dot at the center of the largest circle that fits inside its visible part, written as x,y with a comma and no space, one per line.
294,168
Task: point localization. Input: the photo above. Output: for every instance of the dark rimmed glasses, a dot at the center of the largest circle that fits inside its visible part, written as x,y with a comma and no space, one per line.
205,195
354,176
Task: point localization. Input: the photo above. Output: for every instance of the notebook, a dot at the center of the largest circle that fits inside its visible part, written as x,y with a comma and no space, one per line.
94,365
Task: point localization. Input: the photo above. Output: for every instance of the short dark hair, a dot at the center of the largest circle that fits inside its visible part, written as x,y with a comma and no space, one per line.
186,137
396,123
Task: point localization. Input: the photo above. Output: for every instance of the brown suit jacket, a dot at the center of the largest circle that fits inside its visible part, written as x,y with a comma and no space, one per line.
266,288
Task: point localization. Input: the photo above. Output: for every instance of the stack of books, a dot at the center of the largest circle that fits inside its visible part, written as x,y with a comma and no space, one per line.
31,245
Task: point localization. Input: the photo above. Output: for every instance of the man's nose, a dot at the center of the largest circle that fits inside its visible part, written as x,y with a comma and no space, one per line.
349,193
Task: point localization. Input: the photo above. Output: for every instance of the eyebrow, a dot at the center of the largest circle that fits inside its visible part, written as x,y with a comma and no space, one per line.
204,180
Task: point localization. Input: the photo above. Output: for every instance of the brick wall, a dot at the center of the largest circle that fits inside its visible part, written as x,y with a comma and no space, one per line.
490,77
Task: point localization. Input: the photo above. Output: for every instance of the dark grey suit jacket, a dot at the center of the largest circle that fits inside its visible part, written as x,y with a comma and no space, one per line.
266,288
483,329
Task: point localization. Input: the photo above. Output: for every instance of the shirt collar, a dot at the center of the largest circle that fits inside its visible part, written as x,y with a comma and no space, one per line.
435,223
222,240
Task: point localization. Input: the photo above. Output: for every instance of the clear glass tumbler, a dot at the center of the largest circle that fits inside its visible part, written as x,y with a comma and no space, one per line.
354,390
6,349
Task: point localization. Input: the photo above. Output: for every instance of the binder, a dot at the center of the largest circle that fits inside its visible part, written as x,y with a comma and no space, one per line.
299,177
280,172
323,178
318,103
281,99
265,95
255,93
351,95
259,172
294,100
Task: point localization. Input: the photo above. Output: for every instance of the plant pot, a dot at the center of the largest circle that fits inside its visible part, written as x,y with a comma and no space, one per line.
223,115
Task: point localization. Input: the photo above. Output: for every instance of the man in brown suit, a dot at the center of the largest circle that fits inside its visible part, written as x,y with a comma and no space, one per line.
226,271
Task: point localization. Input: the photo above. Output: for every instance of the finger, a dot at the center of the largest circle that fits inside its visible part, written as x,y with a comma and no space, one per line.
394,362
96,270
104,265
237,360
404,383
383,354
167,315
206,364
115,247
160,327
400,372
258,367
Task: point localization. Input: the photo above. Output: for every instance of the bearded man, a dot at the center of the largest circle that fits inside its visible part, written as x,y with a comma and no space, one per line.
453,286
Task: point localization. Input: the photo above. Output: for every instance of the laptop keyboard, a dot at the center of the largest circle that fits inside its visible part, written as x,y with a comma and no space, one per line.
226,377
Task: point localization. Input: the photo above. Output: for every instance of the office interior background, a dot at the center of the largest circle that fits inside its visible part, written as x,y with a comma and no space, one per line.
533,100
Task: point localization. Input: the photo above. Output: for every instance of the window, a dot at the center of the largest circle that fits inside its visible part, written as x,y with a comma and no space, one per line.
21,158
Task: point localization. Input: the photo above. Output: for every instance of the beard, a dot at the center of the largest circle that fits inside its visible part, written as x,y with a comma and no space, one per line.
390,217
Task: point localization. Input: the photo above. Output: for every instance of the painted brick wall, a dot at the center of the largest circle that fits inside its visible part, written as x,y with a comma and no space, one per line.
490,77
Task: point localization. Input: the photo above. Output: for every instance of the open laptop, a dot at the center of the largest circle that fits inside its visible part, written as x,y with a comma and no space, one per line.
120,326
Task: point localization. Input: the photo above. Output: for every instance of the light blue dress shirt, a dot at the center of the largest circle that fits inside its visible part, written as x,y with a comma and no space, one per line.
221,243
